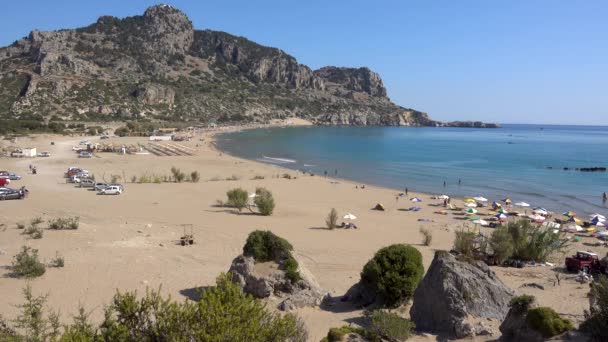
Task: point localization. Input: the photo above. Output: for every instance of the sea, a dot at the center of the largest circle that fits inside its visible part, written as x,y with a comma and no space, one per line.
522,162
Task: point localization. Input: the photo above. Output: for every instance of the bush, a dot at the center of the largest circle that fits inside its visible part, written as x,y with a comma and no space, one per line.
548,322
264,201
337,334
224,313
233,178
596,319
122,131
178,175
291,269
32,321
332,219
58,261
534,242
394,272
266,246
427,236
464,243
390,326
195,176
68,223
33,230
257,177
20,225
237,198
521,303
501,244
26,263
134,179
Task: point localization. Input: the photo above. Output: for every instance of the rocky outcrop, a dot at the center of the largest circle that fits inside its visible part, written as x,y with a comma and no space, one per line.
267,280
187,74
515,328
454,293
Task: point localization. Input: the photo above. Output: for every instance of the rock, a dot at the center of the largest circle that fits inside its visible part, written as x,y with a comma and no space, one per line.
514,327
264,280
482,330
453,291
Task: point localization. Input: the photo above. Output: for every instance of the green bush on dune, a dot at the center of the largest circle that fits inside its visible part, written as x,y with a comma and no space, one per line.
264,201
237,198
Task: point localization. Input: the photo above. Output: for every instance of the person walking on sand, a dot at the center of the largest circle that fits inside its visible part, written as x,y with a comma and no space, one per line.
604,196
406,192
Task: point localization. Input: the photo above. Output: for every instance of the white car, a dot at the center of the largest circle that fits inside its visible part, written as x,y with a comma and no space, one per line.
111,190
84,154
77,148
84,142
44,154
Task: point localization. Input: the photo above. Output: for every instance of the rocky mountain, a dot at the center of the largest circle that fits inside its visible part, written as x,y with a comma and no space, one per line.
157,66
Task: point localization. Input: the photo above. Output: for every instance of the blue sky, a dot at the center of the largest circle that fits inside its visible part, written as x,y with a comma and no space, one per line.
527,61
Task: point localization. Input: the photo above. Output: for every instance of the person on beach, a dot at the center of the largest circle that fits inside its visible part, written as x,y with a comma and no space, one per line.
444,184
405,191
459,181
336,172
604,196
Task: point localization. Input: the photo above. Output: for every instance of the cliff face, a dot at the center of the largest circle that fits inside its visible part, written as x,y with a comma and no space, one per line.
158,66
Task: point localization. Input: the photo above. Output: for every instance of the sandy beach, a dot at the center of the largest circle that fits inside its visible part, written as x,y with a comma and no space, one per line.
129,242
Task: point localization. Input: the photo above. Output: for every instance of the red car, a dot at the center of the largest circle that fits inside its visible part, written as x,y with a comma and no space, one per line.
4,180
585,261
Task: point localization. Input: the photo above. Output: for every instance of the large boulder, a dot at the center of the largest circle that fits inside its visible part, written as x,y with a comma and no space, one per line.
453,293
515,328
269,280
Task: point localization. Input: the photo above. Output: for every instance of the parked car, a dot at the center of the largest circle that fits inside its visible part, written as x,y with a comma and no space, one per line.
77,148
100,186
87,183
4,181
84,154
585,261
13,176
111,190
10,194
77,171
103,137
84,142
44,154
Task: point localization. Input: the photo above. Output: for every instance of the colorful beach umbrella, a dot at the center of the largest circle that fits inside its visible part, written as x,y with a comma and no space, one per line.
473,218
469,200
507,200
501,217
598,219
502,211
574,219
602,217
598,223
471,211
496,205
415,199
569,213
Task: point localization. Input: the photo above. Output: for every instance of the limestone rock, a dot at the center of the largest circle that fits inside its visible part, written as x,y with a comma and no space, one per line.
452,291
264,280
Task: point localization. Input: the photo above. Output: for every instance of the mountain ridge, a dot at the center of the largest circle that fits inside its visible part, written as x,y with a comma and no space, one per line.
158,66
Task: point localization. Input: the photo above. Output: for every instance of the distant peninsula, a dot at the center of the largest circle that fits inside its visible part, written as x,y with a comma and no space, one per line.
158,67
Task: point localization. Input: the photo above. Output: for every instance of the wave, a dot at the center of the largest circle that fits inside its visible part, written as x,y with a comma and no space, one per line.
309,165
279,160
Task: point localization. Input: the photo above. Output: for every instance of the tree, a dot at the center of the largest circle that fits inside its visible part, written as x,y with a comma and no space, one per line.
596,319
264,201
501,243
332,219
237,198
394,272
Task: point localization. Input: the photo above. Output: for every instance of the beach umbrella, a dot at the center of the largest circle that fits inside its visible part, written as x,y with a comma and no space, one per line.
540,211
603,233
415,199
600,224
473,218
501,217
507,200
574,219
350,216
496,205
502,211
471,205
443,197
598,216
522,204
480,199
569,213
469,200
471,211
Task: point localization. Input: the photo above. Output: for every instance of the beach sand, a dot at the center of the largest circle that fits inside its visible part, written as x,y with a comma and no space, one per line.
129,242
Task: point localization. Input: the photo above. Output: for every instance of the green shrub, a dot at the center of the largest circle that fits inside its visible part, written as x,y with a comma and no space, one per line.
68,223
264,201
394,272
533,241
521,303
237,198
596,319
332,219
390,326
26,263
291,269
81,330
122,131
178,175
337,334
58,261
427,236
195,177
257,177
548,322
501,244
224,313
33,229
36,326
266,246
464,243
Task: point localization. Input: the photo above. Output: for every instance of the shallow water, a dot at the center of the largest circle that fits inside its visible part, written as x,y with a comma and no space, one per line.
496,163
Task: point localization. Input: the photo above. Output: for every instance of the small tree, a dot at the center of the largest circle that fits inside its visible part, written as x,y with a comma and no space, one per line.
501,244
427,236
464,243
394,272
195,176
332,219
178,175
596,319
26,263
264,201
237,198
32,321
390,326
548,322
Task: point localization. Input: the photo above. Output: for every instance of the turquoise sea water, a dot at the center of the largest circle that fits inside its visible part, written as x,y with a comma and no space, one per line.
495,163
